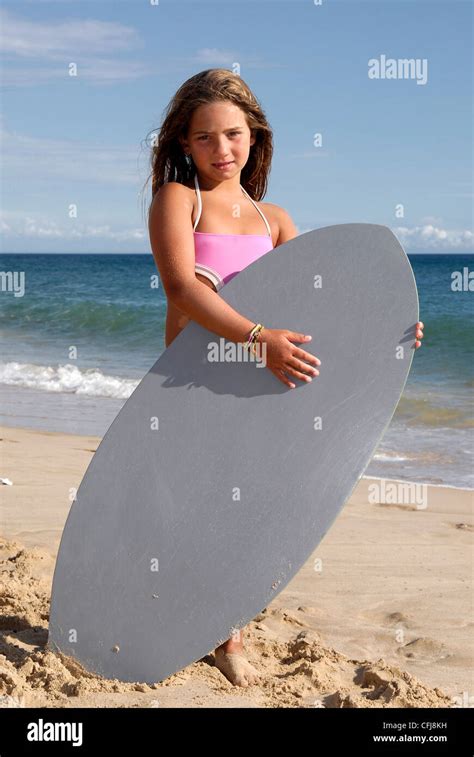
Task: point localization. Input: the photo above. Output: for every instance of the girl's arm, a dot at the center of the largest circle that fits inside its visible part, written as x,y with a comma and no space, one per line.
172,244
287,229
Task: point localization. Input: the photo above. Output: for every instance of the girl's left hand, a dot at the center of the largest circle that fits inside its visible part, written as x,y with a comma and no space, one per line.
419,334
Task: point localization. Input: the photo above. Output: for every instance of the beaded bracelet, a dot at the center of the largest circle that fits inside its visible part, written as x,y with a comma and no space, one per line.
253,336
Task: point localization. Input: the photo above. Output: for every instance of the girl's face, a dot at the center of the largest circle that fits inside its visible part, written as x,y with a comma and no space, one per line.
218,133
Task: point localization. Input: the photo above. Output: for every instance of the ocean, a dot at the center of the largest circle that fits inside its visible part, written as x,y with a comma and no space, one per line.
89,327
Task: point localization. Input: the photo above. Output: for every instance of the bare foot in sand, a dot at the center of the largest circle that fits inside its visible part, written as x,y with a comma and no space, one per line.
230,660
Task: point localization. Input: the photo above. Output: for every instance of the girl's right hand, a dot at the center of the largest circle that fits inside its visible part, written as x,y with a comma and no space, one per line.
283,356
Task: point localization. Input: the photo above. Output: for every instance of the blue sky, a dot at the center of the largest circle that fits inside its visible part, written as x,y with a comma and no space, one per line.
386,142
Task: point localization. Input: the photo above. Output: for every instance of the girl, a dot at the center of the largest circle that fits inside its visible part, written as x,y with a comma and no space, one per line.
209,168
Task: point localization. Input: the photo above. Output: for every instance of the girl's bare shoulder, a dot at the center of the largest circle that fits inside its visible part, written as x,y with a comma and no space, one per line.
175,190
282,219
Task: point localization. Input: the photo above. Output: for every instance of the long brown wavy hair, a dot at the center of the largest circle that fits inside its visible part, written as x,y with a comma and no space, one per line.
168,162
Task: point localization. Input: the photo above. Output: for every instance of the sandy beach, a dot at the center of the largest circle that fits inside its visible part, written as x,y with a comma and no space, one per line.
380,615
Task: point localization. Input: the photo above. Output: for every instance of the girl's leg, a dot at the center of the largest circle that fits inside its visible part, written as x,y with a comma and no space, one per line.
234,644
230,660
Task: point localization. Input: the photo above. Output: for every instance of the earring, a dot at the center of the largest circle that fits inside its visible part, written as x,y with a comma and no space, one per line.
189,159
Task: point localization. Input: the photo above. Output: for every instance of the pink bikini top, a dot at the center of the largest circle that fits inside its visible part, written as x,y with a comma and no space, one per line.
220,257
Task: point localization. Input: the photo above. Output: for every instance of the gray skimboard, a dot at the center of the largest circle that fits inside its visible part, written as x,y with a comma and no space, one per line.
215,482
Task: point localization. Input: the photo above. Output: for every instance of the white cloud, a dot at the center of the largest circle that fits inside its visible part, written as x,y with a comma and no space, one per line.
89,43
60,39
37,160
96,71
433,237
214,55
31,225
19,225
61,172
